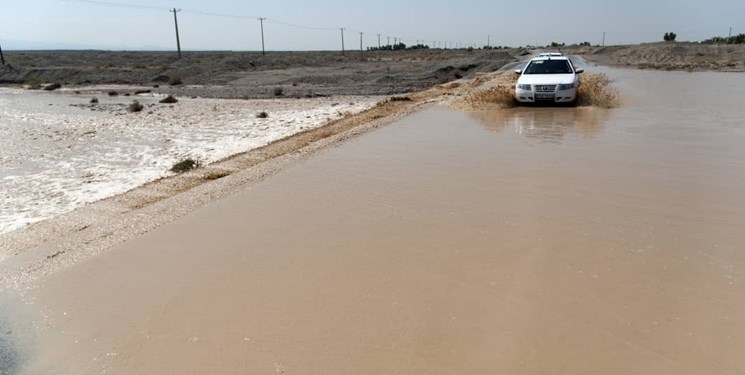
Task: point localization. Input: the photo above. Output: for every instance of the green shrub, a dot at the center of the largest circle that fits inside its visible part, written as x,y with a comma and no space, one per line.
175,81
185,165
170,99
52,87
135,106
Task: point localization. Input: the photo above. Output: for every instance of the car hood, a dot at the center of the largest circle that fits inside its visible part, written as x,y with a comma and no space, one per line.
546,79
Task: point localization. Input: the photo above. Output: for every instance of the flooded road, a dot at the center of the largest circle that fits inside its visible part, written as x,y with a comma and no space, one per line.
522,241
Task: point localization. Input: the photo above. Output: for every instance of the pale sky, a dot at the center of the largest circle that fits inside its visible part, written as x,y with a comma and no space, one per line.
65,24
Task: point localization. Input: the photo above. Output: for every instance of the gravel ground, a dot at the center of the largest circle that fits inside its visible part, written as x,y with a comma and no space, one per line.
249,75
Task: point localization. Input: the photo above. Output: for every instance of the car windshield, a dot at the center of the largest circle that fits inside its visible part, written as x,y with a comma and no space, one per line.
549,67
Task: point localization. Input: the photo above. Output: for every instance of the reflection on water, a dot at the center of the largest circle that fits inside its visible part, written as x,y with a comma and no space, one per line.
545,124
13,342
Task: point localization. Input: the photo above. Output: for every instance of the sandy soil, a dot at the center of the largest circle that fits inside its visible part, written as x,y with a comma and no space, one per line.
242,75
668,56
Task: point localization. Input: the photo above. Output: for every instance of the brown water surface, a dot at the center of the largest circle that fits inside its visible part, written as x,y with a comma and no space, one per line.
524,241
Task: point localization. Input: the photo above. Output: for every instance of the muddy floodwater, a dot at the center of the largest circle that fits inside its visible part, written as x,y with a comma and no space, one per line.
517,241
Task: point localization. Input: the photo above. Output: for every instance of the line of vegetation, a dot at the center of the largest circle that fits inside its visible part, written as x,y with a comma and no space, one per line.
398,47
735,39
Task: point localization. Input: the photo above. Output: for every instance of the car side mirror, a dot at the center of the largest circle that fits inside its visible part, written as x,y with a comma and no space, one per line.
518,71
579,71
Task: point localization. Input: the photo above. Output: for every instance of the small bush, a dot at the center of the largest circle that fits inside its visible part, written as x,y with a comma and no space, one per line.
113,93
52,87
185,165
140,92
670,37
175,81
135,106
170,99
277,91
33,83
262,114
94,100
400,99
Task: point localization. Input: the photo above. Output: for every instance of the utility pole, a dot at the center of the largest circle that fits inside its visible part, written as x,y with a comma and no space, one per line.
730,33
2,58
389,41
263,50
488,41
603,39
175,21
378,41
342,40
361,43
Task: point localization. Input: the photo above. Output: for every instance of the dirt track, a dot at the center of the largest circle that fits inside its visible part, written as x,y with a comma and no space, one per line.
249,75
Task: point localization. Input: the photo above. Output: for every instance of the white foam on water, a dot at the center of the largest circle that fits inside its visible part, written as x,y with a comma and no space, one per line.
56,155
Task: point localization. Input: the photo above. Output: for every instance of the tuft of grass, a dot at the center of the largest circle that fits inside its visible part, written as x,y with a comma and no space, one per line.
52,87
277,91
113,93
33,83
262,114
94,100
135,106
215,175
170,99
185,165
175,81
400,99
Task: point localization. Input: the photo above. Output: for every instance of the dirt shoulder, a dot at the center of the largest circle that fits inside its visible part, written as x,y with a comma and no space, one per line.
249,75
668,56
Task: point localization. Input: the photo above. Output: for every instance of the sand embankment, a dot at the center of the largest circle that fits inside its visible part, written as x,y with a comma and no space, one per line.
668,56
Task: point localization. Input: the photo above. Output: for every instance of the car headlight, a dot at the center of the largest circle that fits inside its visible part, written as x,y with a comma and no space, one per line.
566,87
524,87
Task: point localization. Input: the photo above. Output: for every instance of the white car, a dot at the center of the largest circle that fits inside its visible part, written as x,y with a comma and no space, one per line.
550,54
552,79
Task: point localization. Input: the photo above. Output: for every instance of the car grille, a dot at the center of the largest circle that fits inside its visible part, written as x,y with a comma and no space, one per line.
545,88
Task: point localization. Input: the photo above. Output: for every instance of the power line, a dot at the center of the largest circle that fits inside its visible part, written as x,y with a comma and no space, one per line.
216,14
118,5
301,26
212,14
